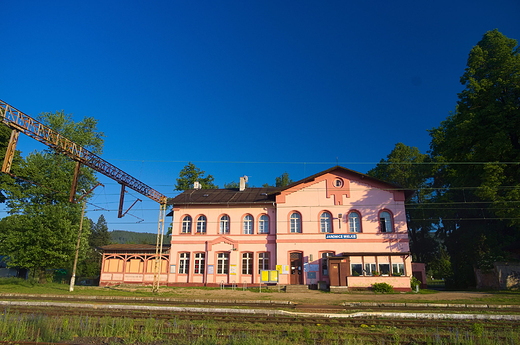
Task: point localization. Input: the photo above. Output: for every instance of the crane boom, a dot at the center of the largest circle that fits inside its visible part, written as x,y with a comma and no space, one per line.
19,121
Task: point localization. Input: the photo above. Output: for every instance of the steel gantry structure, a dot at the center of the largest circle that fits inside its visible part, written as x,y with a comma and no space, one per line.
18,122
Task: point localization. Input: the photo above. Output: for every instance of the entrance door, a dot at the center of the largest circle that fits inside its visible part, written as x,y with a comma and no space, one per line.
296,262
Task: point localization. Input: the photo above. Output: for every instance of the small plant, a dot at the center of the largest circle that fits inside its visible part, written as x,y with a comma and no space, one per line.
382,288
477,329
415,283
375,273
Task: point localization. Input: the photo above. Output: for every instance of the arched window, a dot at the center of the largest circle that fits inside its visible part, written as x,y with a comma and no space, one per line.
248,225
200,263
202,222
247,263
184,263
296,222
186,225
385,221
224,224
263,224
354,222
326,222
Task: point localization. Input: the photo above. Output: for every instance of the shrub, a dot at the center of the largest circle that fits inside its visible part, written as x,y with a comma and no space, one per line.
414,283
382,287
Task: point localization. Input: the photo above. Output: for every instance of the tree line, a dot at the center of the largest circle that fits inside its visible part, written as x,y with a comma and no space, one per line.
465,213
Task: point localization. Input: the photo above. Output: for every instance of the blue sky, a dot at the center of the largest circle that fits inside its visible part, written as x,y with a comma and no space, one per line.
254,88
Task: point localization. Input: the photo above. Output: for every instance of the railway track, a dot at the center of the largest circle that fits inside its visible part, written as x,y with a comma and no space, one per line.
184,325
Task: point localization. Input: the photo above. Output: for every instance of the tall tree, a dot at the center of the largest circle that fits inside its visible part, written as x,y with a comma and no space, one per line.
99,236
407,167
190,174
479,145
41,231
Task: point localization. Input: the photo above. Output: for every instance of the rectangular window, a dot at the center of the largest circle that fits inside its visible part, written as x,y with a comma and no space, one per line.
263,261
370,269
357,269
384,269
247,263
184,263
200,263
223,263
398,269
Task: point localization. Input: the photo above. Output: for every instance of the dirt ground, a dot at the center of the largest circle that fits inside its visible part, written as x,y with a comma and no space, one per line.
318,297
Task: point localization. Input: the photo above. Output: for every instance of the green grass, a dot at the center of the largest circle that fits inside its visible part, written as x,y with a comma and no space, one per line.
14,285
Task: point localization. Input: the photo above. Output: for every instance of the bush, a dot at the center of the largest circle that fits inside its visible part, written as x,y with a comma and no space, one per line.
414,283
382,287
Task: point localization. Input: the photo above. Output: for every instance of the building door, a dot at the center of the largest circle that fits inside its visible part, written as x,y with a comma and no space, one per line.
296,262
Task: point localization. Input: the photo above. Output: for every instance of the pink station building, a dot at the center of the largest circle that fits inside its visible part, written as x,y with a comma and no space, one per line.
337,228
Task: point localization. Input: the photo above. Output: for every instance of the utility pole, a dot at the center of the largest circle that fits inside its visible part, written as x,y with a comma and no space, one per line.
73,278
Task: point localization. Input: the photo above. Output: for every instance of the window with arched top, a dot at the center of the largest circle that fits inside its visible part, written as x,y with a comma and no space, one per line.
296,222
247,226
202,222
385,222
186,224
326,222
224,224
354,222
263,224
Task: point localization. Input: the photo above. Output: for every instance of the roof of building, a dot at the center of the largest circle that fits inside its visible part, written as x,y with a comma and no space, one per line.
225,196
260,195
132,247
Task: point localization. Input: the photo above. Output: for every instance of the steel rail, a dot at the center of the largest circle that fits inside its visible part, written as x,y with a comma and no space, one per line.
24,123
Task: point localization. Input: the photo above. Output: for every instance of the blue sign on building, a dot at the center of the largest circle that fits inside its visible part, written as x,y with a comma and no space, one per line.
341,236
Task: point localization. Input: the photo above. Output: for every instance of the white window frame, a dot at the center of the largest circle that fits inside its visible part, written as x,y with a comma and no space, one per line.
385,222
263,261
223,263
370,268
354,222
184,263
295,223
202,222
224,223
326,222
263,224
199,263
247,225
247,263
398,268
186,224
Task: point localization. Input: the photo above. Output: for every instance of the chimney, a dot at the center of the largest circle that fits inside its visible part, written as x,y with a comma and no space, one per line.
197,185
243,181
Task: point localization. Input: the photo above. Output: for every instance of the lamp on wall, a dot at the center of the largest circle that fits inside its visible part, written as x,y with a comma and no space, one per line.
340,217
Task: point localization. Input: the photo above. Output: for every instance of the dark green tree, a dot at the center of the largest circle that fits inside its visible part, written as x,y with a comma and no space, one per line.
407,167
99,236
479,146
283,180
42,228
190,174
